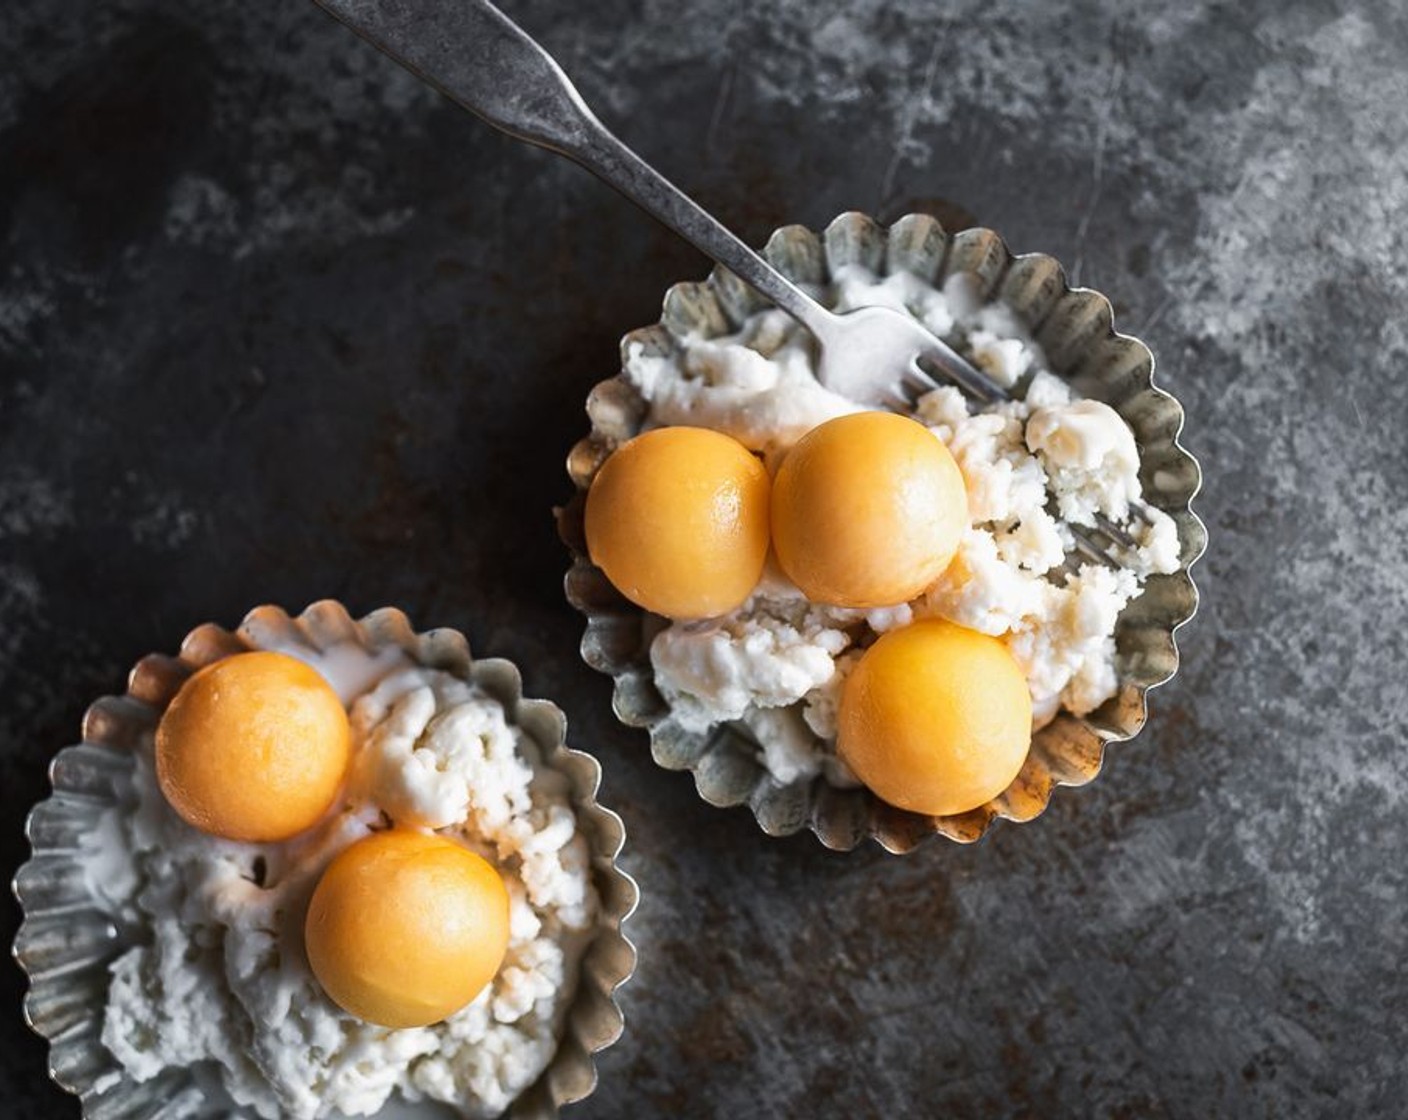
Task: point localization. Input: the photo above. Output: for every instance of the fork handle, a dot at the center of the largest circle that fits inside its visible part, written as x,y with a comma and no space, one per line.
483,61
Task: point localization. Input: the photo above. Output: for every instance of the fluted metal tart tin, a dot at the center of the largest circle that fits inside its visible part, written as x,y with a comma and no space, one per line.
1075,328
67,941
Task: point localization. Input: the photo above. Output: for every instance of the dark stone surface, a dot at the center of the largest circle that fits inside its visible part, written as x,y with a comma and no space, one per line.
276,324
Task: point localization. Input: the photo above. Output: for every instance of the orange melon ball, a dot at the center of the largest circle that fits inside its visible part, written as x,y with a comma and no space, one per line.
253,747
678,520
405,928
867,510
935,718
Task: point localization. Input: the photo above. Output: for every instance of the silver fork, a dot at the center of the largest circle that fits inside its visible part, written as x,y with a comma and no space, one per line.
480,59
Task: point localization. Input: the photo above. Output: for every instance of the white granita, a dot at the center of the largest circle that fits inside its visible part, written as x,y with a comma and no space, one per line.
220,978
1032,468
769,653
757,386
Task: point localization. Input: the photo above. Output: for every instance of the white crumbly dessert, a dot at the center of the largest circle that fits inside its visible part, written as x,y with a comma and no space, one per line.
220,982
777,663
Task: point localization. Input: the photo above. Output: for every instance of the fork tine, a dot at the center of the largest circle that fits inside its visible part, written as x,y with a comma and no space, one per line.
1114,531
957,370
1090,550
918,379
945,362
1141,511
896,401
922,377
904,396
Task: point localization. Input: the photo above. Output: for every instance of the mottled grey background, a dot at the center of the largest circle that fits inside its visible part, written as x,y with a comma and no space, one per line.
276,324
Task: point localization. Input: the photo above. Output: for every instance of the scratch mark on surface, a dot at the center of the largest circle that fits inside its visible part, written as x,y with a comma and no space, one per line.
911,118
716,119
1156,315
1354,404
1097,166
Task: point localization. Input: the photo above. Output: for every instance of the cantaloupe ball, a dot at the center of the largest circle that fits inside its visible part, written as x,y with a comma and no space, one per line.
405,928
935,718
678,520
867,510
253,747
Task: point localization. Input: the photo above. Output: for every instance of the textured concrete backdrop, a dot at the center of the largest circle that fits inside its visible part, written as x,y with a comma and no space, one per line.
277,324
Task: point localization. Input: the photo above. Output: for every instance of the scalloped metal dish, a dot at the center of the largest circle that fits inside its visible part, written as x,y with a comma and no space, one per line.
66,942
1075,328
